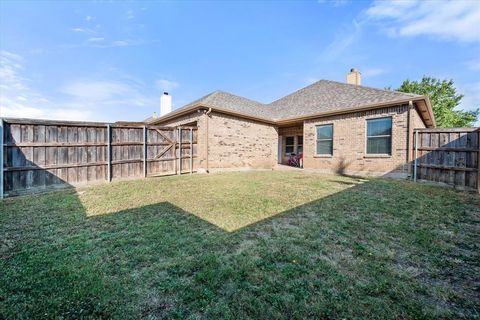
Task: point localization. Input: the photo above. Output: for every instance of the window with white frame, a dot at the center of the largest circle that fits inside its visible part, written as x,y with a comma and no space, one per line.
379,136
325,139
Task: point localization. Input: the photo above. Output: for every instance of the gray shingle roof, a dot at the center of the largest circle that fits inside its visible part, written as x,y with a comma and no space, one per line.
329,96
228,101
322,96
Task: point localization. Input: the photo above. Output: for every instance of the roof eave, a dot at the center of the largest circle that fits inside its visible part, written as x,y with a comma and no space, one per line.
426,112
214,108
176,113
429,120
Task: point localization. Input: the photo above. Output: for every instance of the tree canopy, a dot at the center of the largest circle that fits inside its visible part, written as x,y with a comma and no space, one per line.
444,98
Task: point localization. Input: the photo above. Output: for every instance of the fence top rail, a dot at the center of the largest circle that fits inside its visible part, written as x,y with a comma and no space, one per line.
46,122
440,130
55,122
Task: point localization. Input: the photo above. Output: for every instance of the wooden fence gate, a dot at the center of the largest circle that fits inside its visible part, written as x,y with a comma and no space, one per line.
449,156
39,154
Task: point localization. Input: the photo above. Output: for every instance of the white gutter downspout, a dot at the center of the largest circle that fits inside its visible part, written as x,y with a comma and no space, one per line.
409,136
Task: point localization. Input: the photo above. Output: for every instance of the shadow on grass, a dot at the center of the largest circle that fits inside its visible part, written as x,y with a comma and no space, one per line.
349,254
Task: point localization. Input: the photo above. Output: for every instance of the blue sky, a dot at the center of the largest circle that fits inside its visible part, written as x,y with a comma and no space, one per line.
108,61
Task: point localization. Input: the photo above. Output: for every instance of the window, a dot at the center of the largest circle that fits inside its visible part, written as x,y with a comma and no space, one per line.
379,136
299,144
289,145
325,139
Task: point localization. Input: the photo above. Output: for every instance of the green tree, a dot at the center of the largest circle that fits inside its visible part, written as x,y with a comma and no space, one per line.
444,98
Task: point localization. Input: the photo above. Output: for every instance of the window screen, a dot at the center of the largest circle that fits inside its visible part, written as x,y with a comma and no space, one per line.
325,139
289,144
379,136
299,144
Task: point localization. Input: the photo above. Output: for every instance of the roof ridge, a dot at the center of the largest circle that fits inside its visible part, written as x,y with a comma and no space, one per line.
310,85
237,96
371,88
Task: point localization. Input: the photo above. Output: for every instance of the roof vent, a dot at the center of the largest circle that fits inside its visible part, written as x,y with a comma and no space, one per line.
354,77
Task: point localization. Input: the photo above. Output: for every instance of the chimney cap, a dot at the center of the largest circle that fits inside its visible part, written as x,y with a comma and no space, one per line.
165,93
354,70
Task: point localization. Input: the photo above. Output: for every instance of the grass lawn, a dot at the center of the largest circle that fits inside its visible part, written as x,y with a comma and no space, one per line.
242,245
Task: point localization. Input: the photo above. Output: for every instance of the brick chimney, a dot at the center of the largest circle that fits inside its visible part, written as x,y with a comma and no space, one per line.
354,77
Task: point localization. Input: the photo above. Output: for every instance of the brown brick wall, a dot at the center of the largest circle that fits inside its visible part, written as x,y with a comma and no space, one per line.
237,143
349,144
417,120
233,142
240,143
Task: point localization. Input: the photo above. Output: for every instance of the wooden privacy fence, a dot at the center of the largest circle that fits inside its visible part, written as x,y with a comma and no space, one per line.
449,156
39,154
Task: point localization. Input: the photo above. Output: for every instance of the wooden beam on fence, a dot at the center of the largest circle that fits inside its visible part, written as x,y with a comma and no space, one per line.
179,151
415,142
158,156
443,167
164,159
478,161
1,159
144,151
56,166
191,150
56,144
452,149
109,153
165,137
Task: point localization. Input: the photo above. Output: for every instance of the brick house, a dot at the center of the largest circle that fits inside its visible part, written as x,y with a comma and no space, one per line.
342,127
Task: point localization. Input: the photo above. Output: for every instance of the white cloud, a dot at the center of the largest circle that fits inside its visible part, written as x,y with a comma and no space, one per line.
86,99
344,40
166,85
17,99
130,14
95,39
120,43
10,66
474,64
446,20
335,3
101,42
89,18
21,111
105,92
471,98
79,30
372,72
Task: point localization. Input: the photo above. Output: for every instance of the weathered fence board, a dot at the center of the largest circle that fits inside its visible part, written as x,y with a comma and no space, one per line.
449,156
39,154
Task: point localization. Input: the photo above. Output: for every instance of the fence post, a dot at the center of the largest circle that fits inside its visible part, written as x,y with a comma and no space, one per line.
179,151
144,151
1,159
415,142
109,153
191,150
478,161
